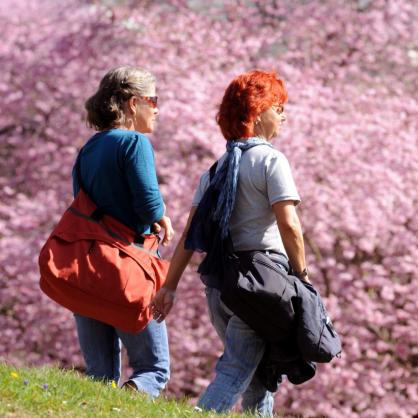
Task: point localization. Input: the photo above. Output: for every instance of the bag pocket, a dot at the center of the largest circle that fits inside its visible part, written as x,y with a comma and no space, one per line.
98,269
103,276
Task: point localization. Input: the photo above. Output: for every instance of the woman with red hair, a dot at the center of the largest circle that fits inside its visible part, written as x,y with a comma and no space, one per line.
256,209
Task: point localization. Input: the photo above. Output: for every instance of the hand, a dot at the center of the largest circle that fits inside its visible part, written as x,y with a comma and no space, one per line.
155,228
164,223
303,275
306,279
162,303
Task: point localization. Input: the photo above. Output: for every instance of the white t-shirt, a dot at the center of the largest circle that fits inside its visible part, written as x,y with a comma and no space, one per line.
264,178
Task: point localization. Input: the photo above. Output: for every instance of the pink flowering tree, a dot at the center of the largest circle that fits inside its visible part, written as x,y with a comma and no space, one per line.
351,71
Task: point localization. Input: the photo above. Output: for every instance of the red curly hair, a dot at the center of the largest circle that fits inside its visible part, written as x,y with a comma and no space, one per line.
246,97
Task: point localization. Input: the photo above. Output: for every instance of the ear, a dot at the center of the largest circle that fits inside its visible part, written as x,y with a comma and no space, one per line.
132,103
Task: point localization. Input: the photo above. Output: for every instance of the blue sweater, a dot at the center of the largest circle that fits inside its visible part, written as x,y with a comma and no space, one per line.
118,172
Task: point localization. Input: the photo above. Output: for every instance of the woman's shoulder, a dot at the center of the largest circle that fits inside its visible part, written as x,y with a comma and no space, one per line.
125,135
129,141
265,154
127,145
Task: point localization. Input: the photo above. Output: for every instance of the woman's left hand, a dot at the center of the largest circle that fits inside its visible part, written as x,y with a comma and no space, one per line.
162,303
164,223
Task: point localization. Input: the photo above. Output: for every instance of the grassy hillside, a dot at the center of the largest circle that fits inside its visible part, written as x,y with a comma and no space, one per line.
50,392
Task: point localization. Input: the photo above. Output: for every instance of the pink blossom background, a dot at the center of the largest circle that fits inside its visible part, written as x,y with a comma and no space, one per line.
351,137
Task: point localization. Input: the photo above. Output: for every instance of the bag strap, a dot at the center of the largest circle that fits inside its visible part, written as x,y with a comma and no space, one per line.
98,213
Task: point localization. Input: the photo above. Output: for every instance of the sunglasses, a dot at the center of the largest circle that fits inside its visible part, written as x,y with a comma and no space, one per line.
151,100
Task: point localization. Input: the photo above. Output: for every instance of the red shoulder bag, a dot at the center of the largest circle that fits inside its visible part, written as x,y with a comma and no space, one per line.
91,265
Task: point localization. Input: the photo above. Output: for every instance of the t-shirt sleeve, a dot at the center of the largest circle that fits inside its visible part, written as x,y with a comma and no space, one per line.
201,189
142,178
280,183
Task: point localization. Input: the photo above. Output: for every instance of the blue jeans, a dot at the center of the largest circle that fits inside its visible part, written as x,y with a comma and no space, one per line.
147,353
235,369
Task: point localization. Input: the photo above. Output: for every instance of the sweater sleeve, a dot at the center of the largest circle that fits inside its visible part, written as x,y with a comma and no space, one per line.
142,179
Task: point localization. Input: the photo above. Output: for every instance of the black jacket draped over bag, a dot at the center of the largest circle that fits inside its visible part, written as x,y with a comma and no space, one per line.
285,311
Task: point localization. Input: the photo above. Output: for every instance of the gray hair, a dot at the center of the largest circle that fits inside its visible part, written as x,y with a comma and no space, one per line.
105,109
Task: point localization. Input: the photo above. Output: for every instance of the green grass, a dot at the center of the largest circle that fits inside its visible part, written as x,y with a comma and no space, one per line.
51,392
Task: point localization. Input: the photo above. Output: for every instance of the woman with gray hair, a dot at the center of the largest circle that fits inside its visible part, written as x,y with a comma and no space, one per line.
118,172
